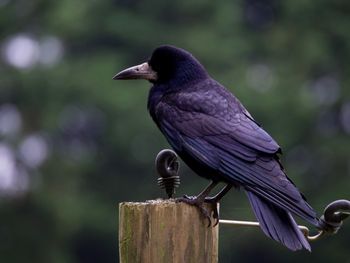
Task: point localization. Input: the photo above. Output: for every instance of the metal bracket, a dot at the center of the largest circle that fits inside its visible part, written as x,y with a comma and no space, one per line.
167,166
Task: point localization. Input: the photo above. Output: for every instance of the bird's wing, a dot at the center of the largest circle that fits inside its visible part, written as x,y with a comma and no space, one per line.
216,131
215,111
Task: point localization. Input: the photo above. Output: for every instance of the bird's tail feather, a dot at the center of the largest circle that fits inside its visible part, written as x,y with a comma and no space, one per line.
278,223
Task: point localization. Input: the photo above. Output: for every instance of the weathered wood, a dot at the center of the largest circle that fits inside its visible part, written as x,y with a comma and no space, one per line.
165,231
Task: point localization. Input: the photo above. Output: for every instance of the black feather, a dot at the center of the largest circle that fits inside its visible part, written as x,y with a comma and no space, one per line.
278,223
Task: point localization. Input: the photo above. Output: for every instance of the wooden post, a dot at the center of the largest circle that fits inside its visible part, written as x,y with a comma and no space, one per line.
165,231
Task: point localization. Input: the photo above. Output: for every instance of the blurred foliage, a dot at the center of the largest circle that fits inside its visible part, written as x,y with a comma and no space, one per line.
74,143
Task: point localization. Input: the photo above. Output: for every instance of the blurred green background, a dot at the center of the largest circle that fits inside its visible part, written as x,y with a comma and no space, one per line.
74,143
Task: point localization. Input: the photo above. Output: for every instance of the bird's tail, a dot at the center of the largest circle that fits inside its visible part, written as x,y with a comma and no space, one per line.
277,223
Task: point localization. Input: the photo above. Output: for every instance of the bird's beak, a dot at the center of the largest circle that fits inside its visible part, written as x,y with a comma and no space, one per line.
142,71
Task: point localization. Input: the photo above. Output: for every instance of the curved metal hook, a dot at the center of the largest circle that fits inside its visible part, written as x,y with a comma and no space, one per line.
166,163
334,215
167,166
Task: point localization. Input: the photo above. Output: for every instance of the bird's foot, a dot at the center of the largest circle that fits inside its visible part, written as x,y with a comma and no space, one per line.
199,203
213,202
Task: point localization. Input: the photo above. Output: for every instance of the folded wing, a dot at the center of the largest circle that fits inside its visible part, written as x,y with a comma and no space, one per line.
222,135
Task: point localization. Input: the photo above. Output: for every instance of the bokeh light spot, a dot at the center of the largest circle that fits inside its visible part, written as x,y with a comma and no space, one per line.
21,51
33,150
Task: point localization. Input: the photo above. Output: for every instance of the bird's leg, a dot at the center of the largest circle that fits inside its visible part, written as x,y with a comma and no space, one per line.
215,200
204,194
199,200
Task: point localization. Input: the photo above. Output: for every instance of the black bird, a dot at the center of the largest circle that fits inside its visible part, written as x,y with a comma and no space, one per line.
217,138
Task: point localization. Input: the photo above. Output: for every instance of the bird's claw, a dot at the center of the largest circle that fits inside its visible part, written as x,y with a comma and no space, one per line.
215,213
198,202
213,202
189,197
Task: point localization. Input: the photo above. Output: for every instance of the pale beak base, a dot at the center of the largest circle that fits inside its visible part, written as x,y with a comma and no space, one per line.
142,71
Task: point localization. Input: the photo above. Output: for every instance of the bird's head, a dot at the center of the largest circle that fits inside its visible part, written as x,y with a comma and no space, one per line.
167,65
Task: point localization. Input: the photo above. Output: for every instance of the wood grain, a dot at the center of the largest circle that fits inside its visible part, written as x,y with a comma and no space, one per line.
165,231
